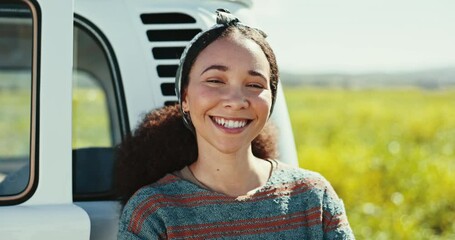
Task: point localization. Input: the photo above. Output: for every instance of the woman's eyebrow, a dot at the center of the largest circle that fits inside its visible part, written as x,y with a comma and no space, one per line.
225,68
216,67
257,74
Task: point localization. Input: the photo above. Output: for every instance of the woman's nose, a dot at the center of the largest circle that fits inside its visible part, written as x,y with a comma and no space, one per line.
236,99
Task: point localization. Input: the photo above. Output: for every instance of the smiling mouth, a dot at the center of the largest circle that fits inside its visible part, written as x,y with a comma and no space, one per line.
229,123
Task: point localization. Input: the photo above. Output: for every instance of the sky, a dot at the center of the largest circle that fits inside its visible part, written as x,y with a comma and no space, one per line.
359,36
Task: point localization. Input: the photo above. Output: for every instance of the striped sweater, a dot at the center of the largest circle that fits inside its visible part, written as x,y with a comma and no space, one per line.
293,204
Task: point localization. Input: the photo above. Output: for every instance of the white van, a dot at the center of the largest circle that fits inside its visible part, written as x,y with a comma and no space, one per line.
76,76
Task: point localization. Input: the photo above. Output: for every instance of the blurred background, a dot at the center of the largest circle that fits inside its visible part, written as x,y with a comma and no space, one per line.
370,87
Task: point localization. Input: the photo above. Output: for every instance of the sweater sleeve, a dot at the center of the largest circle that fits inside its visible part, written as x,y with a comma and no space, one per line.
134,224
334,219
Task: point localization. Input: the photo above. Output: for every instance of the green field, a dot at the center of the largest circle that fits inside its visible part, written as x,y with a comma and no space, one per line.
14,123
90,120
390,155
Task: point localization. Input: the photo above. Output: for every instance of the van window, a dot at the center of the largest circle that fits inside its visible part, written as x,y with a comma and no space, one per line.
98,113
17,97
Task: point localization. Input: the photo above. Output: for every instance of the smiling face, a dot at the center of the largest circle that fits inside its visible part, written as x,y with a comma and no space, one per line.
228,95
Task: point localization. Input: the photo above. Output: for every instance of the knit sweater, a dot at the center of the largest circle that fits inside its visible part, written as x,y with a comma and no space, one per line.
293,204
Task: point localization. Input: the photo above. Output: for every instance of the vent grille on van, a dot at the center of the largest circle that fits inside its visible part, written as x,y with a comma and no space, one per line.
168,89
167,52
171,35
167,70
166,18
168,34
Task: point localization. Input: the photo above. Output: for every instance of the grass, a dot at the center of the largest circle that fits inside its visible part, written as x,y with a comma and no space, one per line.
90,121
14,123
390,155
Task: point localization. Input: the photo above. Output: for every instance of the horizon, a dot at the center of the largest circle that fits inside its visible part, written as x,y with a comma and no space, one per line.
373,72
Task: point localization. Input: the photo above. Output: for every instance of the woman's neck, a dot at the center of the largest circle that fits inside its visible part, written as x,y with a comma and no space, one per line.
233,174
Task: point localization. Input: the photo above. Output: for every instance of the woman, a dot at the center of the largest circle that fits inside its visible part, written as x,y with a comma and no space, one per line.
229,187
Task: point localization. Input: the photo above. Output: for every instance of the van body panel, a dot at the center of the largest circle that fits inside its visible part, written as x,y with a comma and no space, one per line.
44,222
50,213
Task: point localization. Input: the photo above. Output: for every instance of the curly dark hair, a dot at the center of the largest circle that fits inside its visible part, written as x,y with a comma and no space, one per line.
162,144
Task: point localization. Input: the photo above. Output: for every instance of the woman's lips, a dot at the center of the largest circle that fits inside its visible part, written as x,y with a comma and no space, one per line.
230,123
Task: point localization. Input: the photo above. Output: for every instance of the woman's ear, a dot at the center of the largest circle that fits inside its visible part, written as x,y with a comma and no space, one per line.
185,106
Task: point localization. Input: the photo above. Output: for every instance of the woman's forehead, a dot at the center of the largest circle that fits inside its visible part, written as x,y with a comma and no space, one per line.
230,49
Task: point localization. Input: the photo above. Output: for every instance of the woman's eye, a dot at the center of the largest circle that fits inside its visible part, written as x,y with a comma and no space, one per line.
214,81
256,85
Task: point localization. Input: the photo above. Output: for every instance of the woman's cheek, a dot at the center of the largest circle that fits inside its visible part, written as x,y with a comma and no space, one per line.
203,96
207,93
265,98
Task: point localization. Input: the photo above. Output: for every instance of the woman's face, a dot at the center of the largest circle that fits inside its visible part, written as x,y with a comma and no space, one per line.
228,95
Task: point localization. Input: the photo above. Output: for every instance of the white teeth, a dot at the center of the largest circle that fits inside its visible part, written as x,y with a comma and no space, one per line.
230,123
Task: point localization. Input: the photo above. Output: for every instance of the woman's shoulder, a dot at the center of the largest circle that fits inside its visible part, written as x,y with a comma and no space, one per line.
295,172
143,208
158,191
304,181
287,174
